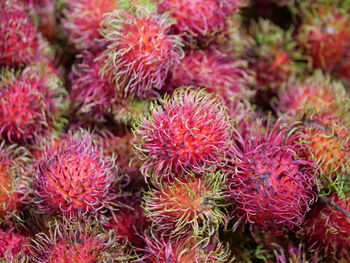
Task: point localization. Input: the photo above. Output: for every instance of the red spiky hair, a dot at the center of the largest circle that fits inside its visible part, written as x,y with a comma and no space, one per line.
189,131
183,249
270,185
201,20
216,71
140,51
14,246
82,21
186,205
327,228
18,35
73,178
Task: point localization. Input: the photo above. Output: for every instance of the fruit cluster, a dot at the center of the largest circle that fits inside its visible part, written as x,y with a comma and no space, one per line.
176,131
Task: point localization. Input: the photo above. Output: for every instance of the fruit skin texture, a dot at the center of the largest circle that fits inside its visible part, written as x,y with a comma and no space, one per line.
187,205
324,34
189,131
82,20
140,52
18,35
270,185
13,246
73,178
327,229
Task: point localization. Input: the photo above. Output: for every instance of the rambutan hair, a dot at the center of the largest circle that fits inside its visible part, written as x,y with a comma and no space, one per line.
73,177
188,132
189,205
14,246
140,52
270,184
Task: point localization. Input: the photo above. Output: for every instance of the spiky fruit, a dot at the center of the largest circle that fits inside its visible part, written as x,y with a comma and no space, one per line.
294,254
92,94
13,166
39,109
184,249
217,72
189,131
14,247
76,243
140,51
270,184
324,33
187,205
82,20
200,21
127,112
318,91
327,229
73,178
18,35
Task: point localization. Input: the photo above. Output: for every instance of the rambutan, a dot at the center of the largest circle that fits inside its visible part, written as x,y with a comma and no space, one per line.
73,178
127,112
327,228
189,131
183,249
215,71
140,52
270,184
187,205
198,20
324,33
14,247
18,35
82,21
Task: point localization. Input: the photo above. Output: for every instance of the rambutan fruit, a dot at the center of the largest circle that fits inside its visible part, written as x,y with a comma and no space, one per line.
160,248
14,165
324,33
270,185
14,246
187,205
200,21
215,71
73,178
140,52
74,242
18,35
82,21
189,131
318,91
327,228
127,112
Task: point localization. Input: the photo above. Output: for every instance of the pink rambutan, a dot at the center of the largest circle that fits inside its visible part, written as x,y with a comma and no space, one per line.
328,226
215,71
189,131
270,185
73,178
82,21
187,205
40,99
14,247
324,33
18,35
200,20
140,52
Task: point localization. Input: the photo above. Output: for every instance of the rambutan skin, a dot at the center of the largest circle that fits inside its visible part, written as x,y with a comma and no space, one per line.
327,229
189,131
13,246
73,178
271,186
140,51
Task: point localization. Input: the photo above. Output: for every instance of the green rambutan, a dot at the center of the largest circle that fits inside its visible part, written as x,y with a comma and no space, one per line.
188,132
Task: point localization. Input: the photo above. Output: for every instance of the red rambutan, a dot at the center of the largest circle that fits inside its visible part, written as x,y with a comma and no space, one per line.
14,247
271,185
140,51
189,131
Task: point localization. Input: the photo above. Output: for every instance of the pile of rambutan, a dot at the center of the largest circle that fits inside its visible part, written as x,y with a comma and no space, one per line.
174,131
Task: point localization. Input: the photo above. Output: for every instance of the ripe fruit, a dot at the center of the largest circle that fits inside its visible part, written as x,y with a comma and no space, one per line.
73,178
188,132
13,246
140,51
270,184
